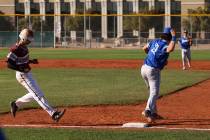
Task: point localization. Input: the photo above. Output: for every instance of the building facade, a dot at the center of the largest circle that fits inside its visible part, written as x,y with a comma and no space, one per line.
102,7
7,6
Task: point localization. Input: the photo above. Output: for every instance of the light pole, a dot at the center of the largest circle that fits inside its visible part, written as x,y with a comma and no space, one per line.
84,23
89,31
114,28
17,27
41,33
139,31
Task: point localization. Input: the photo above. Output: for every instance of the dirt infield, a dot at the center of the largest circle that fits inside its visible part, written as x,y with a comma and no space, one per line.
72,63
188,108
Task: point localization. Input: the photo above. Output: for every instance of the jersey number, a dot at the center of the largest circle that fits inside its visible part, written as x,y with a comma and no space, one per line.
154,50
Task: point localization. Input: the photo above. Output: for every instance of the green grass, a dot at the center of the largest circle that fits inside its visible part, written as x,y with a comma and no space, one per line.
84,134
196,55
103,54
70,87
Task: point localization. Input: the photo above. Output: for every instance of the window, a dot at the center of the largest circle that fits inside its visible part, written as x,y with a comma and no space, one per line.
65,7
128,7
97,7
35,9
49,7
143,6
176,7
19,8
112,7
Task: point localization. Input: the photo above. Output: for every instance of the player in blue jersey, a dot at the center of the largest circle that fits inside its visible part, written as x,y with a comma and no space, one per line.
157,55
185,43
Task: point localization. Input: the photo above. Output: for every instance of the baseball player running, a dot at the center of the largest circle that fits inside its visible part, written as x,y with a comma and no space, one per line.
185,43
157,54
18,60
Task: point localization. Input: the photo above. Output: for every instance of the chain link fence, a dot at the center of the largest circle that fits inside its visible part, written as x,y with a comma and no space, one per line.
45,33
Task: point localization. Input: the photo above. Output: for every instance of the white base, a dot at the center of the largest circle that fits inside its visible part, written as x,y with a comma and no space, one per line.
135,125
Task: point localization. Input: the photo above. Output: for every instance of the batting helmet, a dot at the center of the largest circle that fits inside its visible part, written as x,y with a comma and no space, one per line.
26,34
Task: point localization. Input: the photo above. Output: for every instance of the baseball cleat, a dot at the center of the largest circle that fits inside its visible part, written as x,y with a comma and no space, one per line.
13,108
57,115
157,116
148,115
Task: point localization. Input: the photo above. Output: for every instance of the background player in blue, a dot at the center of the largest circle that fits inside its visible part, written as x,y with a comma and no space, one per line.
185,43
157,54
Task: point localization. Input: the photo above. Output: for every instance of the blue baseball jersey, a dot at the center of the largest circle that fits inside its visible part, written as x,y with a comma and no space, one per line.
157,55
184,43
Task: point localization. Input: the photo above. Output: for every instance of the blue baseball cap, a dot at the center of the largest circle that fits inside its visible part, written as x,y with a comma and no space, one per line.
167,30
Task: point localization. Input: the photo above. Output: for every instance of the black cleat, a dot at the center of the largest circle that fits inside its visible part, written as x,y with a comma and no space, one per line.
148,115
57,115
13,108
157,116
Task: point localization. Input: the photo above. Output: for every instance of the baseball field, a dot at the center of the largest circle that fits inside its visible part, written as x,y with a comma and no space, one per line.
101,89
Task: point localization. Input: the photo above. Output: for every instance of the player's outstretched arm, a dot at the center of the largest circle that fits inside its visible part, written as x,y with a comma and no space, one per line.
171,45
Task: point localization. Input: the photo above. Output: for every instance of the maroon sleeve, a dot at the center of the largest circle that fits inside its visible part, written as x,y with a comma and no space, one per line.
13,48
21,52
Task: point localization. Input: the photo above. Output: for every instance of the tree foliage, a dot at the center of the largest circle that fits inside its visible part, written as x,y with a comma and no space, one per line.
35,23
77,23
197,23
7,23
73,23
22,23
143,23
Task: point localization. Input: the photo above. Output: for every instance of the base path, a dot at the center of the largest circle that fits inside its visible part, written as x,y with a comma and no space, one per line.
74,63
188,108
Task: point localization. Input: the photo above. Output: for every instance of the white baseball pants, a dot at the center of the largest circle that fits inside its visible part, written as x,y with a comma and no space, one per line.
151,77
186,57
34,92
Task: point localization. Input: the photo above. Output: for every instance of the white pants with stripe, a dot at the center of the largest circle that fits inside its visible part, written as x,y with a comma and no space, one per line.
186,57
151,77
34,92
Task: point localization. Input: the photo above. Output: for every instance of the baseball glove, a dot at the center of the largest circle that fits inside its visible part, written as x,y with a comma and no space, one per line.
34,61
